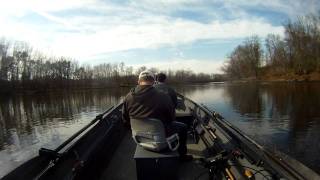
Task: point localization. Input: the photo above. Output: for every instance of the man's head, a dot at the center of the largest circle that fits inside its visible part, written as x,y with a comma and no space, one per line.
161,77
146,78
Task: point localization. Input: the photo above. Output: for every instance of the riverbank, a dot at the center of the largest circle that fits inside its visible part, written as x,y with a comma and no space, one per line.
289,77
315,76
34,87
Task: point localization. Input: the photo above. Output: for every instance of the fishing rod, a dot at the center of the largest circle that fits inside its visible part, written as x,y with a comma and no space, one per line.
218,166
265,156
255,153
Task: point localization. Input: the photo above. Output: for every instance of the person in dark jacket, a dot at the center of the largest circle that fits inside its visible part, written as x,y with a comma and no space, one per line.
144,101
163,87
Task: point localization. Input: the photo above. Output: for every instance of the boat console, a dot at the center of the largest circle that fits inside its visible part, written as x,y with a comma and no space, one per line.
155,165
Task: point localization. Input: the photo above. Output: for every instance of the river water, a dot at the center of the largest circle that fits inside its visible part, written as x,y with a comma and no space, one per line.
281,116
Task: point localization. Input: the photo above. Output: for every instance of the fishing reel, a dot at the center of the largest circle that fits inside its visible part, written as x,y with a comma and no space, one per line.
218,164
216,160
221,158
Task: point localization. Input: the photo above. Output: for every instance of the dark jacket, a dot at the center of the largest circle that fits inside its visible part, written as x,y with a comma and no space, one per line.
146,102
167,90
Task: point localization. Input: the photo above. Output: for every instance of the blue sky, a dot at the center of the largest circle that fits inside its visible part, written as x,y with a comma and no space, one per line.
167,34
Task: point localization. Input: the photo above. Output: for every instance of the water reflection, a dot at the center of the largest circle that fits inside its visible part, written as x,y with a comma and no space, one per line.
283,116
28,122
298,104
246,99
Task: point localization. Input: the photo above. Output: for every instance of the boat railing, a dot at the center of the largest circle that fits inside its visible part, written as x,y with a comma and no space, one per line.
55,155
44,151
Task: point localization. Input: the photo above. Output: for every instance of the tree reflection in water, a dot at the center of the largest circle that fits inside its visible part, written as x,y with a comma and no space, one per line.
282,116
29,122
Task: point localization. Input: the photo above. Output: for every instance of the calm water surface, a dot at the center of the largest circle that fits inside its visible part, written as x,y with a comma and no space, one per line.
282,116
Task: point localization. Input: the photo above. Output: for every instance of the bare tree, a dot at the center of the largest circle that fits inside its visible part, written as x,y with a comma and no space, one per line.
276,54
303,40
245,60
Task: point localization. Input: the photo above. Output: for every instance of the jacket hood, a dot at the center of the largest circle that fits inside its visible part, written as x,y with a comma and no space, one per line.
141,90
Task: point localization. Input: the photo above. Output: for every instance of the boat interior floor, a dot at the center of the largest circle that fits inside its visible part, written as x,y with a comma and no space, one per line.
122,165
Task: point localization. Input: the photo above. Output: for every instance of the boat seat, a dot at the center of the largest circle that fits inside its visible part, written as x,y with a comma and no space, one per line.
156,165
150,134
183,113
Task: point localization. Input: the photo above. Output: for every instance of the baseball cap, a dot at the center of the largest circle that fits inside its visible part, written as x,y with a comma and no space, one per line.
145,74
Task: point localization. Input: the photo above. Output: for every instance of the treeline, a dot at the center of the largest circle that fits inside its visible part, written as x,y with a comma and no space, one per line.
21,68
297,53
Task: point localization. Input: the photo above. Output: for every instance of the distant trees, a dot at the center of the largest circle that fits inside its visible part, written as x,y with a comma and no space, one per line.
298,52
23,68
187,76
22,64
245,60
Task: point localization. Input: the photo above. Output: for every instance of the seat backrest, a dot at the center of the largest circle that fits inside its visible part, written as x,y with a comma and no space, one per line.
150,134
181,104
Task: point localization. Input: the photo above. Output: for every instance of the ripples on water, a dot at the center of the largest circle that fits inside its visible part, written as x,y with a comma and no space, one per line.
282,116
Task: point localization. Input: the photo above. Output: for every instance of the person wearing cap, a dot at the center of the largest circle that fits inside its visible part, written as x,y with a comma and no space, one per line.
144,101
163,87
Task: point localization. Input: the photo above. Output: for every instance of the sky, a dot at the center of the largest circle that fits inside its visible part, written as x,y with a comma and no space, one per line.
196,35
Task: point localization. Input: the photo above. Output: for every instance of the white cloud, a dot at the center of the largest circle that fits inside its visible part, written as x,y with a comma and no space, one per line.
20,8
143,24
196,65
148,32
236,8
292,8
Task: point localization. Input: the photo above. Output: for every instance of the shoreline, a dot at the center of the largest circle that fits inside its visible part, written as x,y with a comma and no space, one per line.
9,90
312,77
266,79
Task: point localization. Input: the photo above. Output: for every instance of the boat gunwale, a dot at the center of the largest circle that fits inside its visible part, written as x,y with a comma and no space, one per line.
61,151
264,154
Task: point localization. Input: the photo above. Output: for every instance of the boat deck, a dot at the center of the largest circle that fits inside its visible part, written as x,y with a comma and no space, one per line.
122,165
